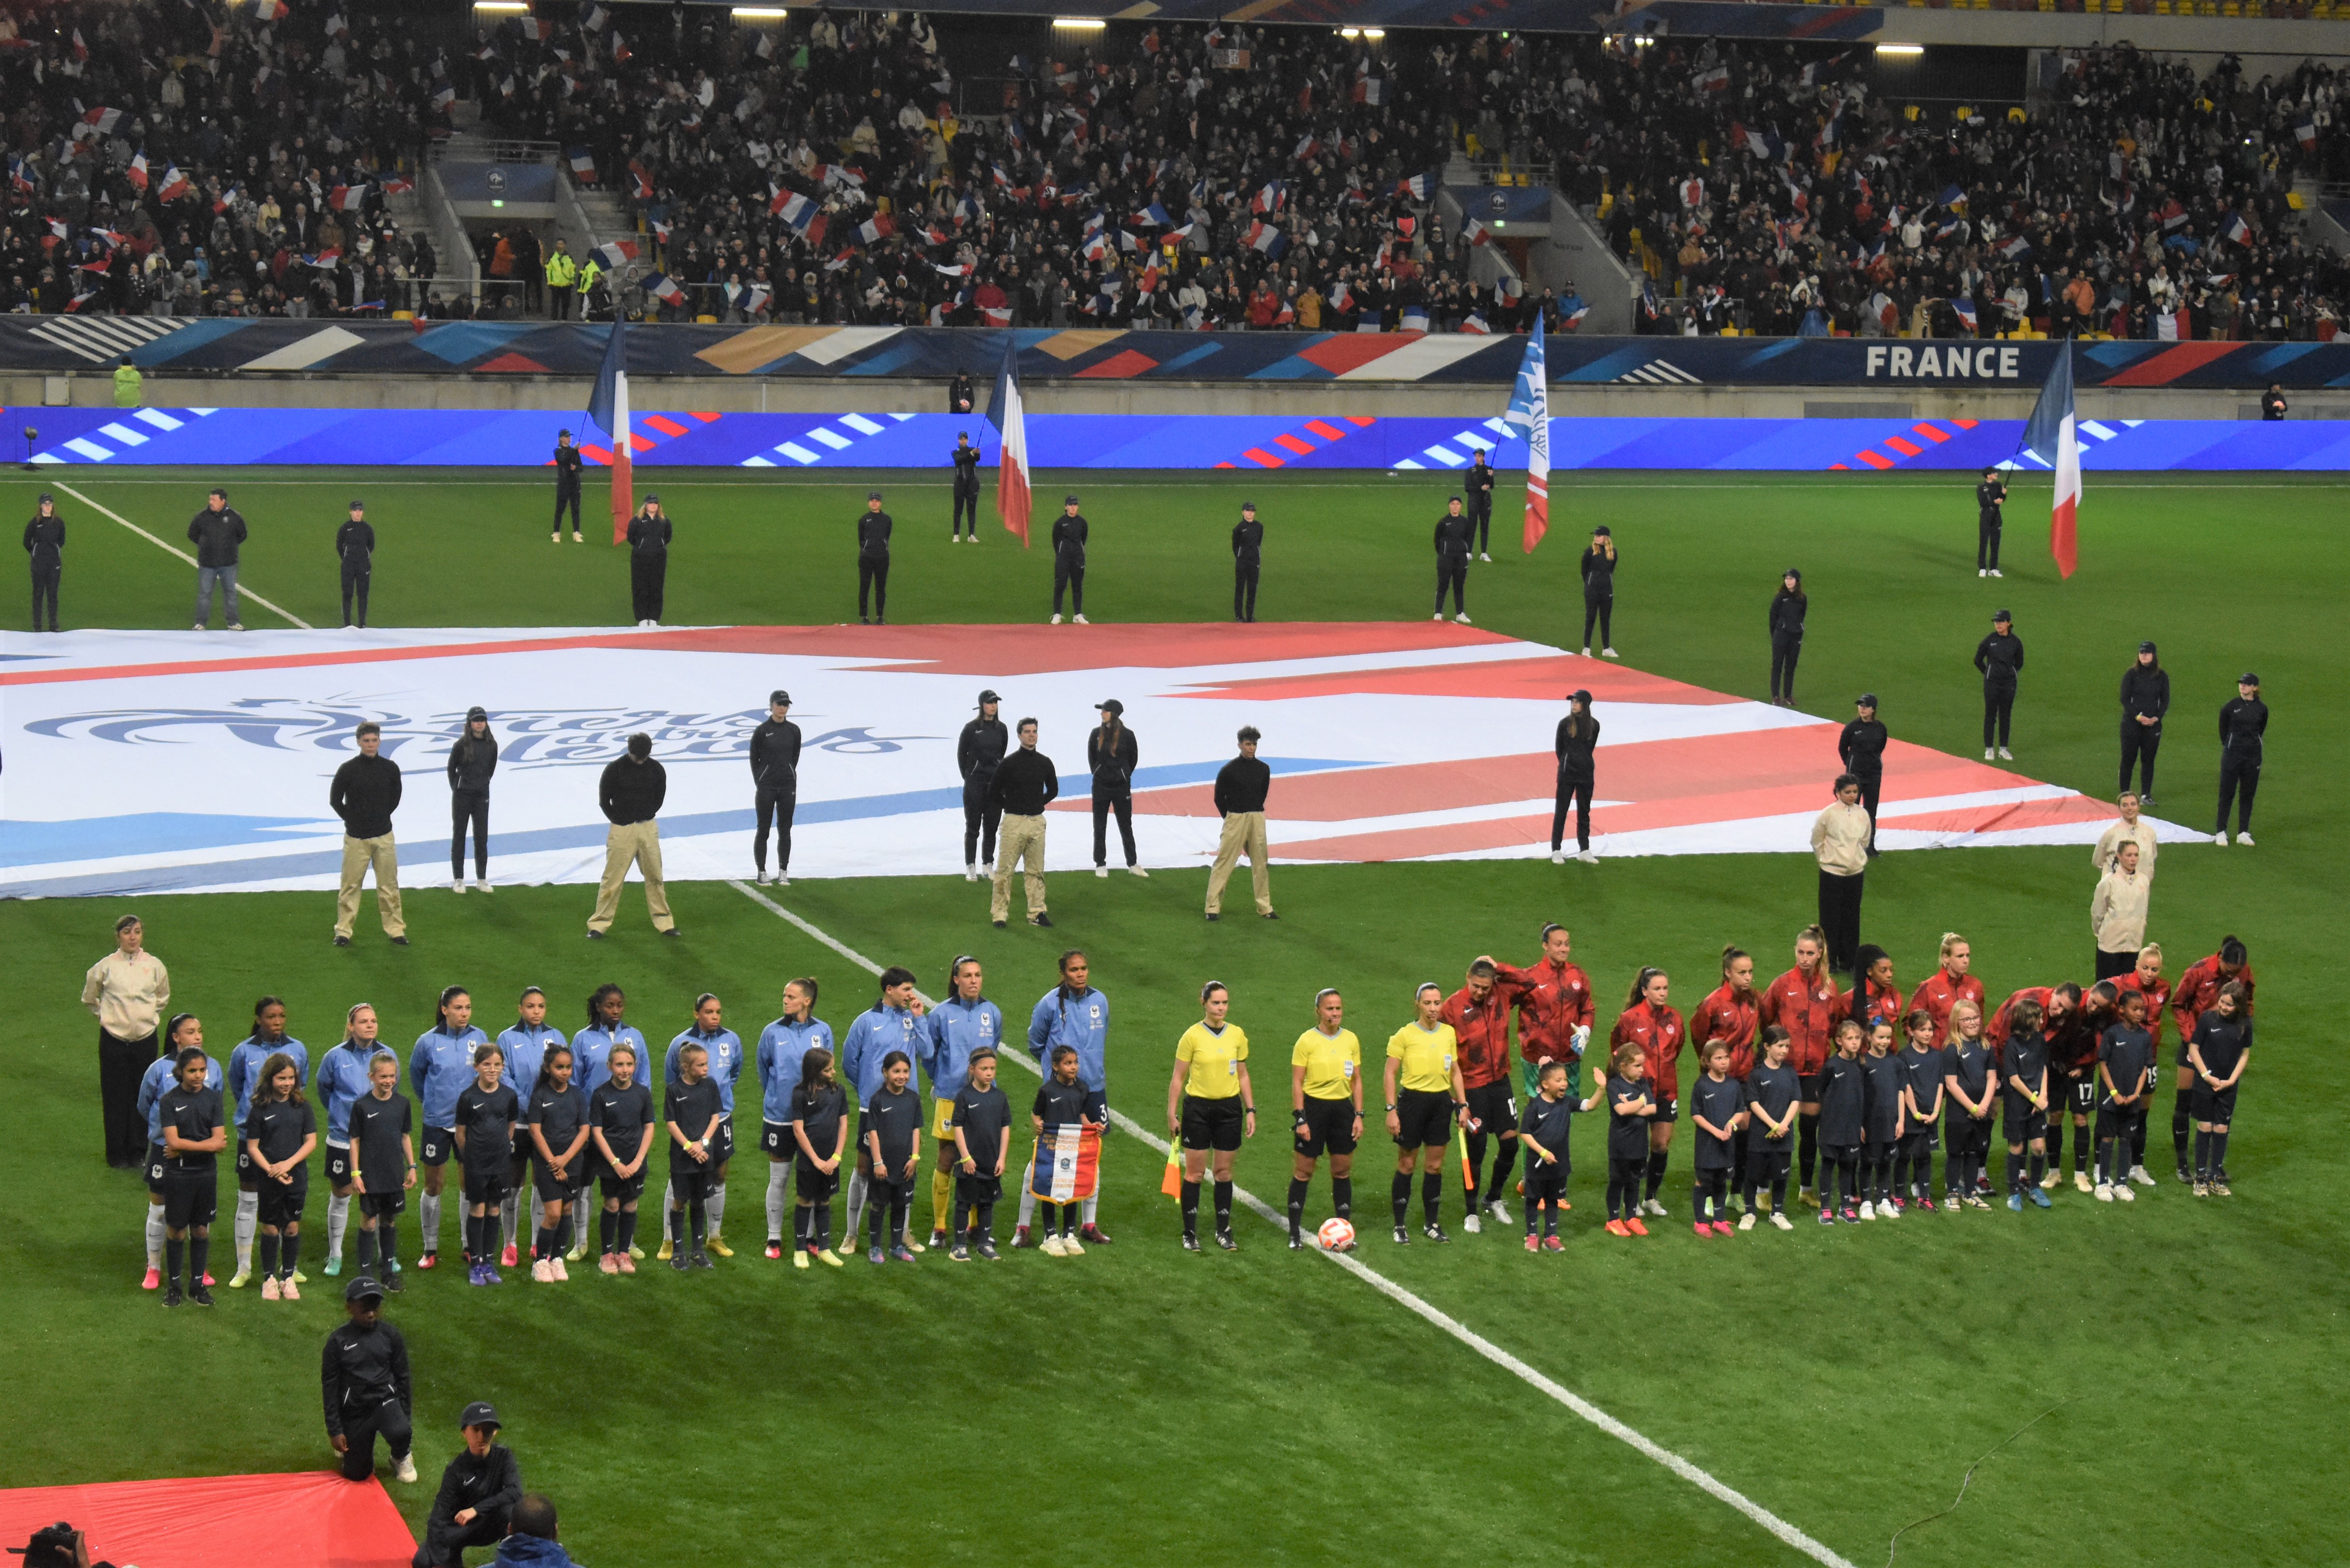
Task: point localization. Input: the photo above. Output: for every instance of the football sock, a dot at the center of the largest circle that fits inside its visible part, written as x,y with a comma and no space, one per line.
365,1259
2202,1154
2182,1123
1431,1195
290,1253
2218,1153
778,1200
2138,1137
2039,1166
1190,1207
1656,1158
1808,1134
1506,1161
1697,1200
1550,1218
1223,1205
154,1235
697,1212
268,1254
1296,1206
859,1187
1027,1205
962,1223
541,1244
982,1224
248,1220
1342,1197
173,1252
338,1217
822,1213
509,1221
493,1236
628,1237
714,1206
607,1230
1779,1193
200,1251
901,1200
1091,1205
1402,1197
579,1217
428,1214
803,1226
941,1193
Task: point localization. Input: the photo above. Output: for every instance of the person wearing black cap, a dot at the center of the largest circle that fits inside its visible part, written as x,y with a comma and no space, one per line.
1599,591
216,532
363,1374
630,793
977,751
354,547
1455,533
471,760
1579,734
1248,547
478,1492
1991,494
1861,747
966,488
1788,607
2243,724
1022,785
58,1545
776,779
1111,756
2146,697
650,531
567,488
873,561
1070,532
1999,657
45,541
1479,484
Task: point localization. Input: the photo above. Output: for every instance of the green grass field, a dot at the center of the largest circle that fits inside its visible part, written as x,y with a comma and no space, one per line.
1265,1405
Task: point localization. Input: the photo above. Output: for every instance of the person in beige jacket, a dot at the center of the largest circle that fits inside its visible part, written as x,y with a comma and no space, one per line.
2131,829
2118,913
127,990
1840,844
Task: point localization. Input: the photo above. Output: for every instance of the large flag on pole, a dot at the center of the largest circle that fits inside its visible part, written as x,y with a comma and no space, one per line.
2052,438
609,408
1530,411
1012,498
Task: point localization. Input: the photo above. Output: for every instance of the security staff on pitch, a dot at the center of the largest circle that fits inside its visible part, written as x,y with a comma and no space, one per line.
1070,532
977,751
775,775
2243,729
1112,755
1999,657
966,488
1479,482
1454,534
355,545
363,1374
567,488
873,561
1861,747
1991,494
650,531
1248,546
45,541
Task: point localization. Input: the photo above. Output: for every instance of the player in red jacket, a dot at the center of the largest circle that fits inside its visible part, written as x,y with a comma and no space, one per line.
1553,999
1731,1012
1657,1029
1481,1020
2199,988
1805,1003
1948,986
1877,995
2147,982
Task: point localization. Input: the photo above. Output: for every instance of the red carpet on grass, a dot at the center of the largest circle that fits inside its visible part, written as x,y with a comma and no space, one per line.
312,1518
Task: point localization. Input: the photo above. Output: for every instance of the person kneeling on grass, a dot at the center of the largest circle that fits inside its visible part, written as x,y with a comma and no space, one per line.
1773,1094
1843,1115
1629,1107
479,1491
1716,1106
982,1123
1542,1128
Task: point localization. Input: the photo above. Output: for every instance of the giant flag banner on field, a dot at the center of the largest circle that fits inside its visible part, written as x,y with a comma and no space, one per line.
609,408
1013,501
2053,437
1068,1161
1529,411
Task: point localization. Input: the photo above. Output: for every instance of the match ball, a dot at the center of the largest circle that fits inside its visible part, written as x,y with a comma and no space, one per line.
1335,1235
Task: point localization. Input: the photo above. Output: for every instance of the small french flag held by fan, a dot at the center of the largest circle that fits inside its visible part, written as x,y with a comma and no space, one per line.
1068,1163
608,409
174,185
1003,411
583,165
1963,307
2238,231
2052,438
616,256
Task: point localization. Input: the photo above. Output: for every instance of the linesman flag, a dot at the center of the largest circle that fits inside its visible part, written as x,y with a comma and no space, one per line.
2052,439
1530,411
1011,497
609,408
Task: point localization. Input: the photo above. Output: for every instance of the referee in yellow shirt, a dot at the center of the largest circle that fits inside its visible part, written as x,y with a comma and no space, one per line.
1425,1100
1325,1112
1211,1107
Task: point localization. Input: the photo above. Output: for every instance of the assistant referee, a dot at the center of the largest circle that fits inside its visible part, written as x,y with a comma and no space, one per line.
1326,1106
1211,1107
1425,1098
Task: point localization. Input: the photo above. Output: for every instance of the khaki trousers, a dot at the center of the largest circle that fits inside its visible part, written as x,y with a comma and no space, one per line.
359,854
1021,837
627,844
1243,833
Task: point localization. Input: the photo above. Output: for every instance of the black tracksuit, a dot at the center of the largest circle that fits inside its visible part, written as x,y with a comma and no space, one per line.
977,751
2243,724
966,489
1112,759
363,1374
1453,538
470,764
45,541
365,793
1989,494
873,530
958,400
355,546
648,538
1477,488
567,486
1575,778
1599,595
490,1486
1999,657
1069,536
1862,748
1787,612
1248,547
776,777
2145,693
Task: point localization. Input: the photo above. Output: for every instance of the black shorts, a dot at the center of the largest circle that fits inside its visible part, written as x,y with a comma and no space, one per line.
626,1189
190,1197
1213,1124
2022,1123
2211,1104
339,1165
1919,1139
1807,1087
1329,1128
1839,1153
552,1190
1423,1118
688,1181
1545,1180
1669,1109
977,1190
2083,1092
155,1168
722,1142
490,1185
2117,1121
384,1205
813,1186
777,1141
439,1144
281,1201
1492,1105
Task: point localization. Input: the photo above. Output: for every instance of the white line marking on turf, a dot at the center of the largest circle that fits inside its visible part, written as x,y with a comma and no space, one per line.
1606,1423
174,549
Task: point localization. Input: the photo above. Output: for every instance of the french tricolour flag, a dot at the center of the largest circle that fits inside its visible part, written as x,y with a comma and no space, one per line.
583,164
1965,308
1529,411
1068,1163
2238,231
137,172
609,408
2052,439
616,256
174,186
1003,411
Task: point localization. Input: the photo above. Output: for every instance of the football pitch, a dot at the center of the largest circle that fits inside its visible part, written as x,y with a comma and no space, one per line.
2139,1378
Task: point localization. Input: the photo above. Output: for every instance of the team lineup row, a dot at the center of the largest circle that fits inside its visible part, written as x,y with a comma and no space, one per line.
1794,1077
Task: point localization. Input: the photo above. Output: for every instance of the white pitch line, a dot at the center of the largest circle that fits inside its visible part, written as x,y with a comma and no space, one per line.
1700,1479
174,549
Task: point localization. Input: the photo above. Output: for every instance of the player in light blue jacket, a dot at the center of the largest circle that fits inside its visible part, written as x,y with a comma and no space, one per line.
783,1046
955,1028
439,1068
267,1038
725,1049
894,1022
1076,1014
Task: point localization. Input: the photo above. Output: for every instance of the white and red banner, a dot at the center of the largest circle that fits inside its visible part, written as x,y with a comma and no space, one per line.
177,761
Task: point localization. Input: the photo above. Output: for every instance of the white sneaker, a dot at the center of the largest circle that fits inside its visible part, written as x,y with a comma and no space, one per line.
2122,1191
2244,840
2220,839
1137,871
1482,557
2005,755
237,626
1499,1210
2081,1181
1473,1224
1102,871
1051,1245
1462,617
1997,573
2104,1193
201,627
1081,621
2138,1174
1437,616
1586,651
1057,618
1071,1248
1588,857
1867,1210
407,1470
971,872
482,885
1888,1211
1609,653
1655,1209
1980,572
782,881
456,884
1557,858
1989,755
1746,1221
1780,1220
541,1274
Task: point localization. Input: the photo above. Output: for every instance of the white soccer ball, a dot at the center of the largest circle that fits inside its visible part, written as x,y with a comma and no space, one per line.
1335,1235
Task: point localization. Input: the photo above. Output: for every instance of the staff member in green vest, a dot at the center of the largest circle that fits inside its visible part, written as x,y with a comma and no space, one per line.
127,383
562,276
